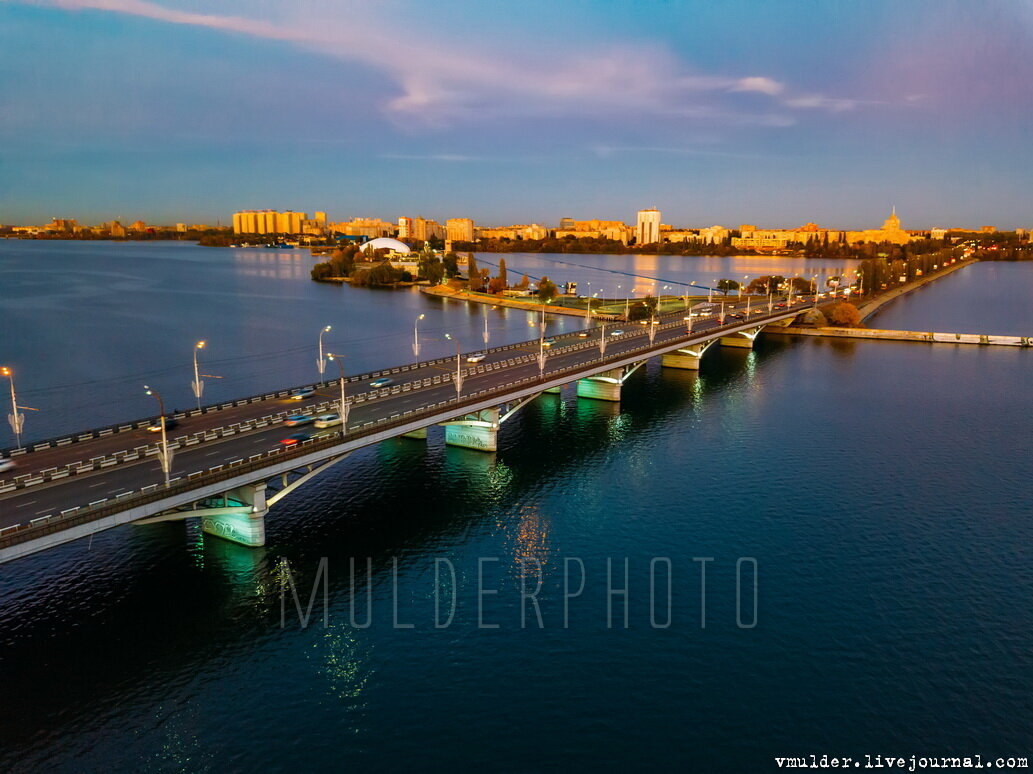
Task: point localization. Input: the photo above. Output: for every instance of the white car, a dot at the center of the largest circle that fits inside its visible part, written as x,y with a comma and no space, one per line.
327,420
6,464
476,357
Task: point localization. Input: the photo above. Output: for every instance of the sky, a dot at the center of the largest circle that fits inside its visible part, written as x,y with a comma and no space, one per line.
771,112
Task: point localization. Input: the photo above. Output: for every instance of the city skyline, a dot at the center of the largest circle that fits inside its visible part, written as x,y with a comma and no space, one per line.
818,112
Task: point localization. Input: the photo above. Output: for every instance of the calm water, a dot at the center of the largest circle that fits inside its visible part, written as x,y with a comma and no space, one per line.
880,487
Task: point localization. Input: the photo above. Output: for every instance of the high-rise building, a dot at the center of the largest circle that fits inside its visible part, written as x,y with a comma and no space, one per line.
268,222
459,230
648,230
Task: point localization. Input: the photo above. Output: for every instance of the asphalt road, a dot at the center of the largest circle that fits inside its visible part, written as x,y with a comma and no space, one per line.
23,505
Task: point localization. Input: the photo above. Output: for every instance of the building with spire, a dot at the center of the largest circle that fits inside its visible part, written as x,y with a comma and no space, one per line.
890,232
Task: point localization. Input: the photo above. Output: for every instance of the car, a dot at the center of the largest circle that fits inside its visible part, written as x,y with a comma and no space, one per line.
327,420
383,381
583,335
616,332
298,419
476,357
548,342
308,392
780,306
297,438
155,426
6,464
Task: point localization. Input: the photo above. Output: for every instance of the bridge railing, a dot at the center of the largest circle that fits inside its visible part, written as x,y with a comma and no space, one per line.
71,517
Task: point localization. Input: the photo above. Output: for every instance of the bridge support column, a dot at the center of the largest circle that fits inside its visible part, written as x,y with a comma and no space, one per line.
687,358
478,431
245,525
603,386
419,435
742,339
553,390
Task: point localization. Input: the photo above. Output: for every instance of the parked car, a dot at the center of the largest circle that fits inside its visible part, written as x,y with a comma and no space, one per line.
6,465
298,419
308,392
155,426
291,440
476,357
383,381
327,420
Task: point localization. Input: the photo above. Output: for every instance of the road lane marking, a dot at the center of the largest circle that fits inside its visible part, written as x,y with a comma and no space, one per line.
31,502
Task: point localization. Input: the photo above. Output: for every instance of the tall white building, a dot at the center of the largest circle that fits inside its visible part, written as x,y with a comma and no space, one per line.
648,229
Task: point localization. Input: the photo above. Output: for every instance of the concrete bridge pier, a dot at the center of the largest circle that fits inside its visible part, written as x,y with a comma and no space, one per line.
742,339
687,358
419,435
606,385
244,523
478,430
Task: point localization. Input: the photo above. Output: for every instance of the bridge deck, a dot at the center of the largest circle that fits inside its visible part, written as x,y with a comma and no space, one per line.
129,489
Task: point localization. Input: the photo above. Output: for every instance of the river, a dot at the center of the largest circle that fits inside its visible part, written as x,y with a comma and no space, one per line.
873,493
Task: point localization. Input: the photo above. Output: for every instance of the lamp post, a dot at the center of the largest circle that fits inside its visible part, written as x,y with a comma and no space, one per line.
321,363
197,384
721,319
345,406
416,338
165,454
484,334
602,340
15,418
688,324
815,279
458,379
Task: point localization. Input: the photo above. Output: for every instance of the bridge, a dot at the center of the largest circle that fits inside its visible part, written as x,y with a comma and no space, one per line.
227,465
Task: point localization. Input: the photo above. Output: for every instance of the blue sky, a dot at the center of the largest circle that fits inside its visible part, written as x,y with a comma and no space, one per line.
716,111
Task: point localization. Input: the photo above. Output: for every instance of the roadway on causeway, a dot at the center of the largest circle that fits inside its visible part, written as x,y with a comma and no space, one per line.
22,505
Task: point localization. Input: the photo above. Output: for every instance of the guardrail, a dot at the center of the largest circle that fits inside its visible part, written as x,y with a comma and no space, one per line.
136,424
71,517
122,456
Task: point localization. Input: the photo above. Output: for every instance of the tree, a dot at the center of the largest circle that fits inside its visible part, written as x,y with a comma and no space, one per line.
451,265
502,273
496,285
844,314
726,285
524,283
473,274
547,290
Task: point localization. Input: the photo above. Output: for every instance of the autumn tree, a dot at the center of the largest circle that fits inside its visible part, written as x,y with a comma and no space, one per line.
547,289
844,315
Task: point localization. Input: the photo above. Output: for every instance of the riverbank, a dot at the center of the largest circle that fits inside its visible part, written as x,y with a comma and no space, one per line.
443,291
868,308
930,337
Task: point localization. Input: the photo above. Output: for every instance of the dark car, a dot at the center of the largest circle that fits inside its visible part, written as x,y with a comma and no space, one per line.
297,438
155,426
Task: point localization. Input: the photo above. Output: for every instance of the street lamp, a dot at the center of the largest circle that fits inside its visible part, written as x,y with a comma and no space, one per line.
815,278
15,418
416,338
345,406
321,363
484,334
688,324
165,453
197,384
458,379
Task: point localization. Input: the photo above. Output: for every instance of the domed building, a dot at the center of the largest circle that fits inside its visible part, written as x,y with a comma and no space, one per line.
387,243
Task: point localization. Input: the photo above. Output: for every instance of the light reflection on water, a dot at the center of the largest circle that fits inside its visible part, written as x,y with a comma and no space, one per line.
880,485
